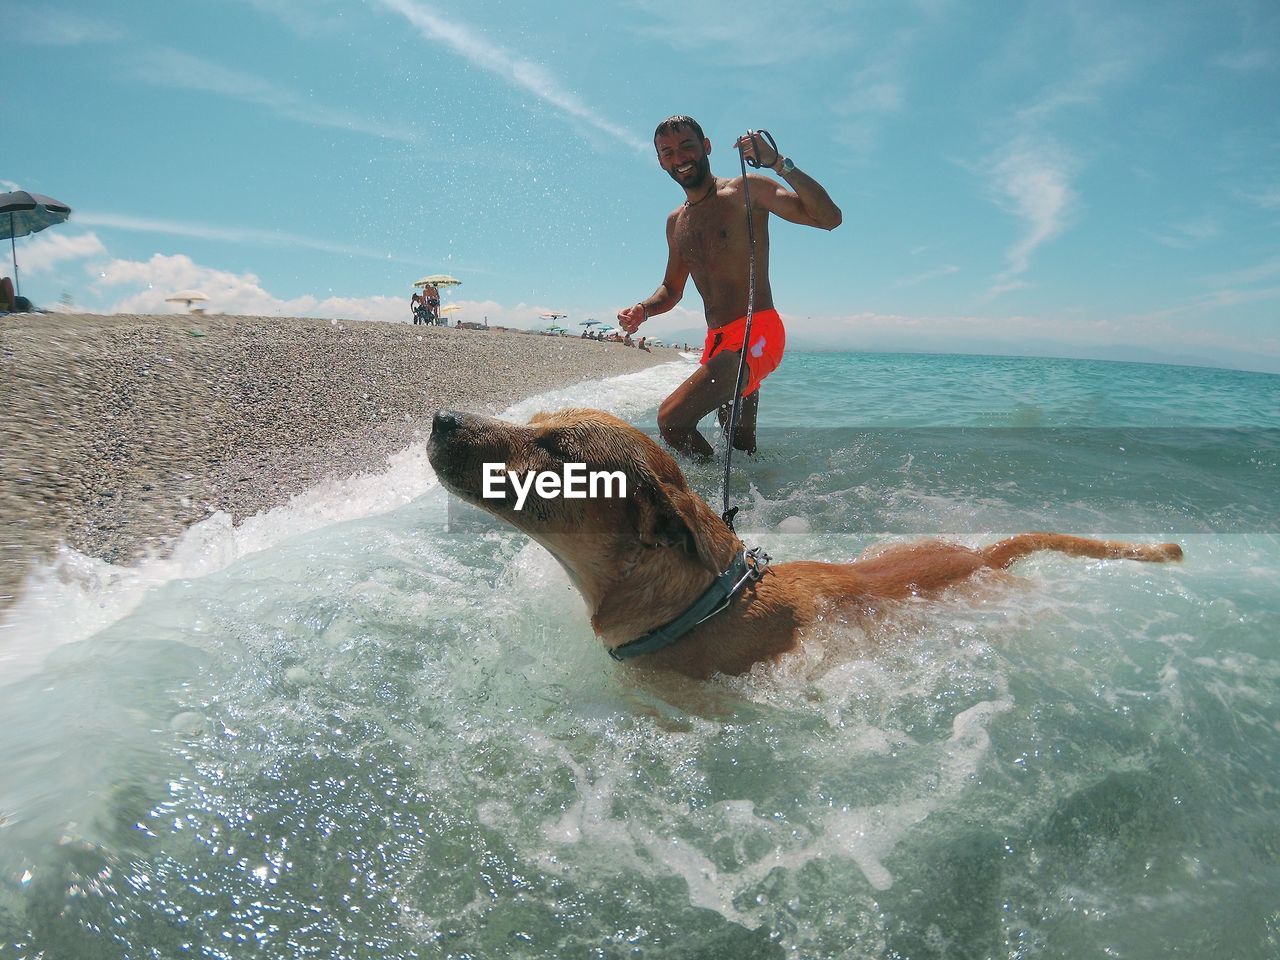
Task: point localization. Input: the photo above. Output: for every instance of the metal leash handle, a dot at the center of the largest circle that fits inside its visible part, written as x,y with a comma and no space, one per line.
731,428
755,161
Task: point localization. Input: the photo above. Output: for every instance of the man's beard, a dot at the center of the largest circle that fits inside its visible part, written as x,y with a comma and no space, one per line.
701,171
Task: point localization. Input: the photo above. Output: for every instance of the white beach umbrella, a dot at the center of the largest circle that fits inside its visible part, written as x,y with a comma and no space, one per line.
187,297
438,280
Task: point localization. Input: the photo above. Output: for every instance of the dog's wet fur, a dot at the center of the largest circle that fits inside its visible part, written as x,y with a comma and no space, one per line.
639,562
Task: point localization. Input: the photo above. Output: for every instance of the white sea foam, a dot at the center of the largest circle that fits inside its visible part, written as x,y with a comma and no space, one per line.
659,844
75,595
869,834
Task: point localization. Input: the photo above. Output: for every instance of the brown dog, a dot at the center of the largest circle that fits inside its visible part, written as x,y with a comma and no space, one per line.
641,561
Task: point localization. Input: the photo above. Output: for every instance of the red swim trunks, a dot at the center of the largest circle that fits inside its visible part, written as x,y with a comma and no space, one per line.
768,340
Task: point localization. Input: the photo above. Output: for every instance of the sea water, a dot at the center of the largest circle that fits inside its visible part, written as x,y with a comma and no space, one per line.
349,728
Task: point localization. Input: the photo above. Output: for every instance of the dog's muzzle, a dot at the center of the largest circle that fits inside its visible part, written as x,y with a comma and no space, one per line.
446,441
445,423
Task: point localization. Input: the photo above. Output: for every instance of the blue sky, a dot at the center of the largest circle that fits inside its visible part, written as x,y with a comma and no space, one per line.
1083,179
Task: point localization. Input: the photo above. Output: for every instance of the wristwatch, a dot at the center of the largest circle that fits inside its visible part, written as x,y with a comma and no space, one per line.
786,167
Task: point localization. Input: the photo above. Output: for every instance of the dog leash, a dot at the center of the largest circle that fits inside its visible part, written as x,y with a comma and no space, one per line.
732,427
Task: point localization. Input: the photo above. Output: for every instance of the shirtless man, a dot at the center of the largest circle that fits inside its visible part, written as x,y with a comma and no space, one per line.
431,298
707,239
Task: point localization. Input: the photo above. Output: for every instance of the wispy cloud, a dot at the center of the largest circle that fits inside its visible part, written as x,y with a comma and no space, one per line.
1232,298
1235,288
1248,275
1098,46
874,93
173,68
1085,87
729,31
1190,233
1032,180
1267,199
1205,305
1249,60
42,253
1033,175
59,28
928,275
524,74
204,231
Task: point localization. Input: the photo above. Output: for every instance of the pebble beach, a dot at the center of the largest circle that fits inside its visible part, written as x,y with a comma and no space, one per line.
118,432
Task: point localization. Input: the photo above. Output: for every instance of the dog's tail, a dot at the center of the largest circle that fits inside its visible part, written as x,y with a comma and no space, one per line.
1015,548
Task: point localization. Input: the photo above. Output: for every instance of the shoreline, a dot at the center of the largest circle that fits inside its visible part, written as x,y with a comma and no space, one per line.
119,432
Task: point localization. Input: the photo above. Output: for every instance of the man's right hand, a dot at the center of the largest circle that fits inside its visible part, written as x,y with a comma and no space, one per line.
630,318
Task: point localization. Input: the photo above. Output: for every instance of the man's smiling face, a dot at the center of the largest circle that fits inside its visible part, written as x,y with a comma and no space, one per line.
684,157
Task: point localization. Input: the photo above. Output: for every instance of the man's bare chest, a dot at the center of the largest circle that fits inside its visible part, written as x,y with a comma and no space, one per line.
705,237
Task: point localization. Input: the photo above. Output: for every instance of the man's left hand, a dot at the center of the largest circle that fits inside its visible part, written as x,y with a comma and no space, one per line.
754,147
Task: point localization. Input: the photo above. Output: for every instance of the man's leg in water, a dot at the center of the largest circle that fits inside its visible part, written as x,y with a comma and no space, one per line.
709,387
744,438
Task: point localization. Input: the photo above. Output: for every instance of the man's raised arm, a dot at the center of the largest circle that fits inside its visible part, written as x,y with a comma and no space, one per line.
806,203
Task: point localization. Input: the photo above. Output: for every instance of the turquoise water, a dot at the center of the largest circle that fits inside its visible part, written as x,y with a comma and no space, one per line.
366,735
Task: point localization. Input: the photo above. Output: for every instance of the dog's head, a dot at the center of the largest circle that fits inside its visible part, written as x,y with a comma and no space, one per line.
638,517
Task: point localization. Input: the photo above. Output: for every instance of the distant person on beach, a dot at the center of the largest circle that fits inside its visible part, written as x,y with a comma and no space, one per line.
415,305
431,297
10,302
707,239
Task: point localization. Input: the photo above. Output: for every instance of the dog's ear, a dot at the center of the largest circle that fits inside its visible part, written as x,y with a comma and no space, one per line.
673,516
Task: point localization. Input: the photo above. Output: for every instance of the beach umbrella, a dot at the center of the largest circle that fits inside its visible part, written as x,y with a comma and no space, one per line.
450,308
587,323
22,213
438,280
187,297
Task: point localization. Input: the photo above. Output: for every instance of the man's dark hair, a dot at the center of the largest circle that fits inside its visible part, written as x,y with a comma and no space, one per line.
672,124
